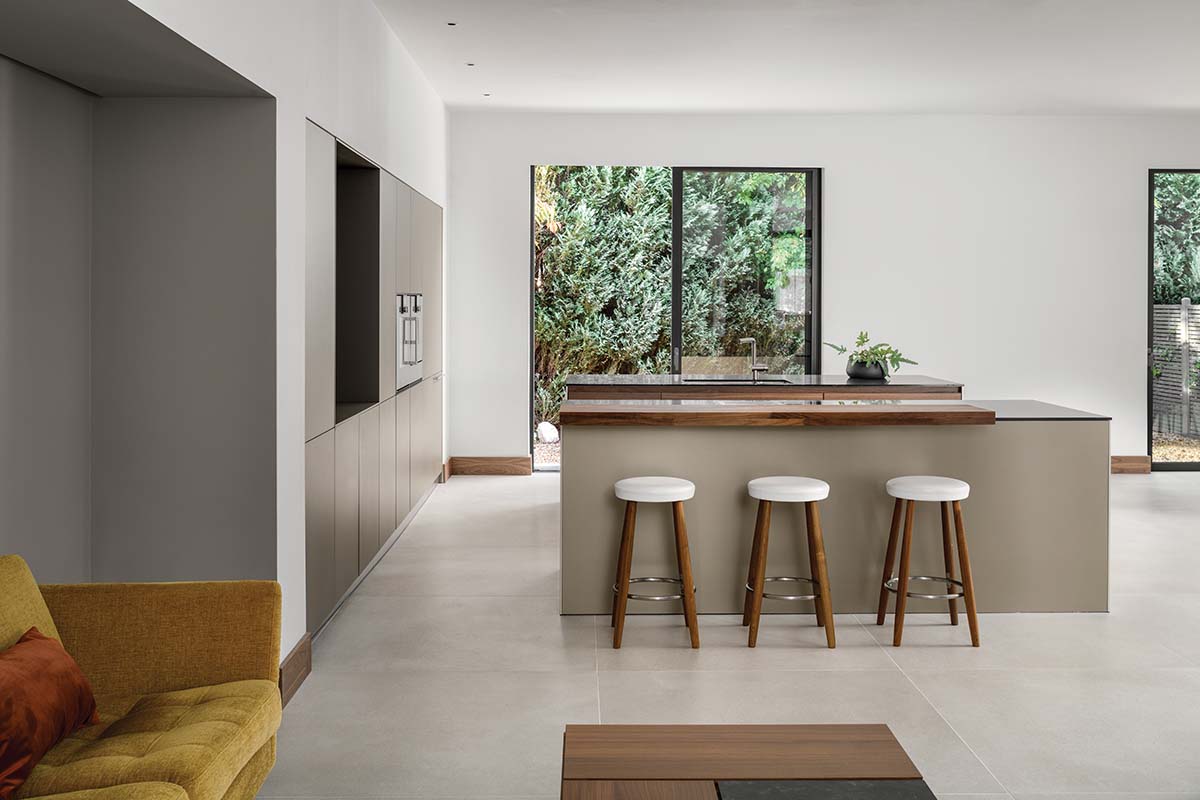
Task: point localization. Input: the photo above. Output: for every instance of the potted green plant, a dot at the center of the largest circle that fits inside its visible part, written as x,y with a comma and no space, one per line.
873,362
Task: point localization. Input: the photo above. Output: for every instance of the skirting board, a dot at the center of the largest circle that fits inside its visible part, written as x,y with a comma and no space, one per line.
1131,465
491,465
295,668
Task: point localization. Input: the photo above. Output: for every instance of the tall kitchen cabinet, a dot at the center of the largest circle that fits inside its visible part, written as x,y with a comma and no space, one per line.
372,452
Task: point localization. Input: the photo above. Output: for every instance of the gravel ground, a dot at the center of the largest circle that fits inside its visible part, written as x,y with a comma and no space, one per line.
545,454
1176,448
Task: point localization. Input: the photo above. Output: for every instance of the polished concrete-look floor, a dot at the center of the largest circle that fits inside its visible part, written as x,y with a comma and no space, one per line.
450,674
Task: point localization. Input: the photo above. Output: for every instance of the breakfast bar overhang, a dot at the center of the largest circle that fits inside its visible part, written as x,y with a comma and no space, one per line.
1037,515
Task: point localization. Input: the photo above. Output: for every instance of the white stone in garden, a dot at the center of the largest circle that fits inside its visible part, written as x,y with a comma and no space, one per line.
547,432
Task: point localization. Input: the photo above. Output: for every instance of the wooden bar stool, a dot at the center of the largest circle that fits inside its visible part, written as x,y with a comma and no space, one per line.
949,492
788,489
654,490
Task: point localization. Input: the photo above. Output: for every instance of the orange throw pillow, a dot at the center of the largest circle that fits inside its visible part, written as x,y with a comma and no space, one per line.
44,698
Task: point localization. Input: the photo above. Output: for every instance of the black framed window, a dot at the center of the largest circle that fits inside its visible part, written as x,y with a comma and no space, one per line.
1173,374
647,269
745,262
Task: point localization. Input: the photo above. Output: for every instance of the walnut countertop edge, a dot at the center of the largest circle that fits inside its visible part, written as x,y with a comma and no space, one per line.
781,414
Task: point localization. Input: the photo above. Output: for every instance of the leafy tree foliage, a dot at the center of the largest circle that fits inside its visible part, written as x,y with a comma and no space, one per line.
1176,237
602,275
743,243
602,270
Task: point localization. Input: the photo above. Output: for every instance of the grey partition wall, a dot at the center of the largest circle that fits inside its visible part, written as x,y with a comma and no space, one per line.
137,300
45,257
183,345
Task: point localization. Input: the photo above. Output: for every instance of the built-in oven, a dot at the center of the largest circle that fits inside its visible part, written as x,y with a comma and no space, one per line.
409,334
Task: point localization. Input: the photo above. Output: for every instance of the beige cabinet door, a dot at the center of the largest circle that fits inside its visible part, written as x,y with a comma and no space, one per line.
433,293
368,487
319,522
387,469
389,188
403,407
419,457
437,426
320,278
427,270
346,502
405,282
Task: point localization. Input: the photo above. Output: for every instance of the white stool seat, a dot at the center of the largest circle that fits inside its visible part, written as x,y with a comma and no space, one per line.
655,489
931,488
788,489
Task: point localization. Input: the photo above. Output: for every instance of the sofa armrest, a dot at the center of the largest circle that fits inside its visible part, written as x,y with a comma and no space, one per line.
139,638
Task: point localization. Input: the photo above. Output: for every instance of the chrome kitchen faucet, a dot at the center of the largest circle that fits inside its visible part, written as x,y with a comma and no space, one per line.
755,367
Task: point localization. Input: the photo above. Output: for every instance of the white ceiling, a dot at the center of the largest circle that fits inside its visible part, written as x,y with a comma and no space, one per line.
808,55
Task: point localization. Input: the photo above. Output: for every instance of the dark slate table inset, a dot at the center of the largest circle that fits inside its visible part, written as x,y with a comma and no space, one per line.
824,790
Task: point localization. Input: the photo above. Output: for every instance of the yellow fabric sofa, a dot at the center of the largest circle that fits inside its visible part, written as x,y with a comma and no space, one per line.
186,679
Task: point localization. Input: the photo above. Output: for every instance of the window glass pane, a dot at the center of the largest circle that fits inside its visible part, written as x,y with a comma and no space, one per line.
746,258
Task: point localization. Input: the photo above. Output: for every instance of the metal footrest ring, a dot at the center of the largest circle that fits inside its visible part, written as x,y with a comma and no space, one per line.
892,584
789,578
655,597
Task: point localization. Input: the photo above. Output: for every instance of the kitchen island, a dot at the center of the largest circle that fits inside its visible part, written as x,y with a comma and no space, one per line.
1037,517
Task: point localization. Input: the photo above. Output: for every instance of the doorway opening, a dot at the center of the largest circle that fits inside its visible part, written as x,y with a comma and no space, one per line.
1174,335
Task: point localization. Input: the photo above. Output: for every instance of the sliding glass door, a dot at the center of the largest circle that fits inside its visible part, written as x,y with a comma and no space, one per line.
667,269
744,266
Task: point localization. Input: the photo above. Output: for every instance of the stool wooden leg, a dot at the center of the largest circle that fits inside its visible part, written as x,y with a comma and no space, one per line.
889,561
624,564
687,589
948,558
760,571
814,571
816,544
625,552
964,562
754,550
902,577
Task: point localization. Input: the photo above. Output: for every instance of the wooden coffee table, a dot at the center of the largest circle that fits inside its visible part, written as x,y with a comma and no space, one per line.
686,762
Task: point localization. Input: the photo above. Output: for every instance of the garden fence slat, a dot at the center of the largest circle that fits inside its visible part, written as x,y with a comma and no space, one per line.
1168,387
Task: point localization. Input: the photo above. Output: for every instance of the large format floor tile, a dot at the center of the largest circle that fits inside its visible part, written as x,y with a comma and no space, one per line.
1172,619
487,511
482,571
428,734
1054,731
1026,640
455,633
800,697
785,642
450,673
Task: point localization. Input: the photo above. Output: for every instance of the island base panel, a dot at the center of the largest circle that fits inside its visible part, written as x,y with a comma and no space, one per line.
1038,511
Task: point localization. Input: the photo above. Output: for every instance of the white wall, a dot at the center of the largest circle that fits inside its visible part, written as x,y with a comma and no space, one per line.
1006,252
339,64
